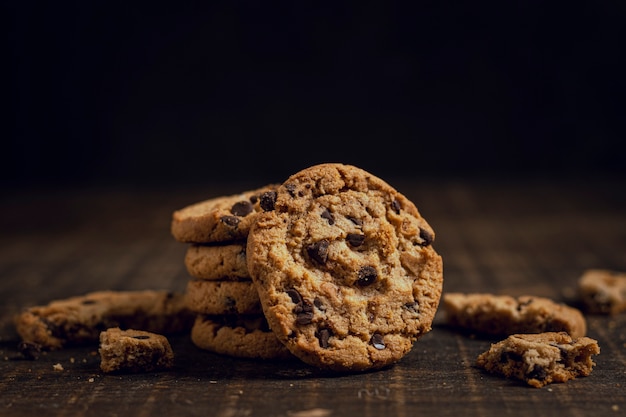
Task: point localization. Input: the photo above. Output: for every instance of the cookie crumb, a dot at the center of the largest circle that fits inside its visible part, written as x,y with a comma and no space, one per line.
91,379
57,367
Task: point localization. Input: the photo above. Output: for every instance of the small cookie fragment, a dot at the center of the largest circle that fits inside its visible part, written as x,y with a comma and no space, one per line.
540,359
492,314
80,319
239,336
603,291
134,351
219,219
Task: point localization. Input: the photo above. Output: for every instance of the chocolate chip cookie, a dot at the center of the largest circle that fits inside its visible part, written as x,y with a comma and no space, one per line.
492,314
540,359
345,268
219,219
222,297
134,351
80,319
603,291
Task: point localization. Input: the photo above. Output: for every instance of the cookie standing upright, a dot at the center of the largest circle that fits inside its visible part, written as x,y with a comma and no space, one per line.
345,268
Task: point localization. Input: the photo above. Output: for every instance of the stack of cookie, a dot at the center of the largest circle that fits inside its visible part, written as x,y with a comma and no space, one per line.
220,291
333,266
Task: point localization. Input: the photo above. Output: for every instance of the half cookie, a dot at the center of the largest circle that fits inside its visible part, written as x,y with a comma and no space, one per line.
540,359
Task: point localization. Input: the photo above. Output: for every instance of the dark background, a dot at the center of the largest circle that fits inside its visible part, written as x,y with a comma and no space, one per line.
176,93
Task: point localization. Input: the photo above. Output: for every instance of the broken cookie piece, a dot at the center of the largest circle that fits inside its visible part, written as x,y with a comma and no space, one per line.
540,359
603,291
134,351
80,319
492,314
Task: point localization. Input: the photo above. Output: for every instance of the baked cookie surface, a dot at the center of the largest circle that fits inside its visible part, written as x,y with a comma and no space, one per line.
603,291
80,319
540,359
239,336
223,297
344,267
219,219
134,351
493,314
217,262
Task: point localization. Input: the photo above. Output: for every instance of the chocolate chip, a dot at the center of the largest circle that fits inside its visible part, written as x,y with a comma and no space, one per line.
55,329
427,237
29,350
323,335
355,239
242,208
304,312
254,199
326,214
141,337
294,295
231,221
413,307
268,200
291,189
520,306
562,350
510,356
377,341
319,304
538,372
305,317
366,276
88,302
303,308
395,204
357,222
319,251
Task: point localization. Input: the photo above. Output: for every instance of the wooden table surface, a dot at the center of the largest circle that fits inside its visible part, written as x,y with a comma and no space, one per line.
503,236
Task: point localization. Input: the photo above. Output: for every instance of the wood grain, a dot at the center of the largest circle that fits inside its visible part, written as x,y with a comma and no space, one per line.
505,237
